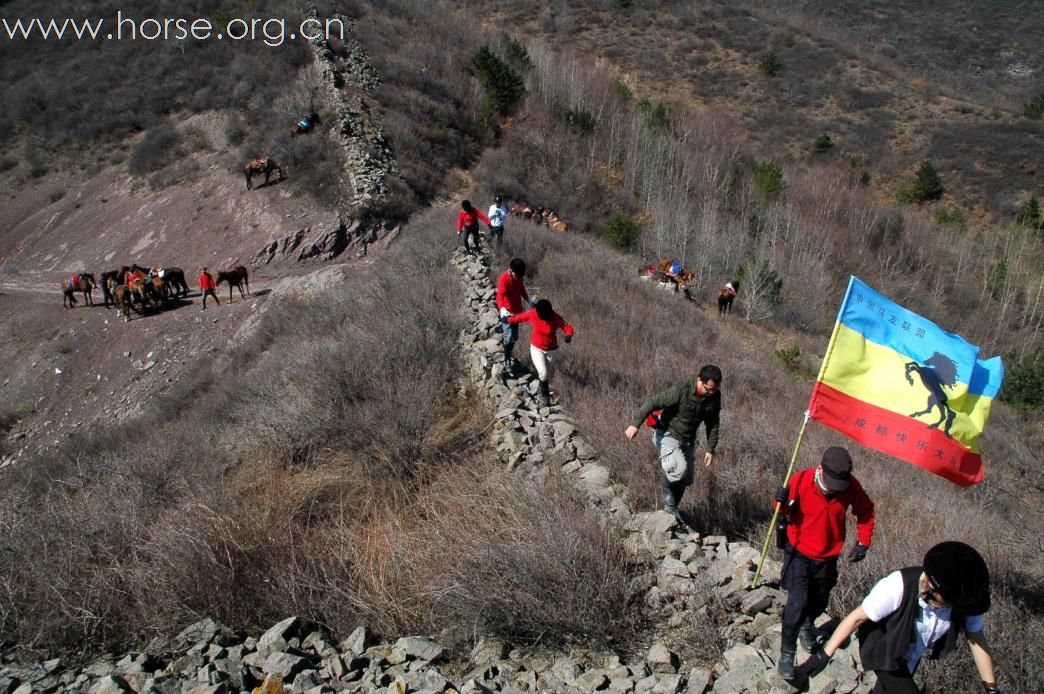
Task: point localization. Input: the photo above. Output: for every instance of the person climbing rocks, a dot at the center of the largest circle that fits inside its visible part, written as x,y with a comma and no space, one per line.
546,324
675,416
917,613
511,293
815,503
467,224
207,286
498,213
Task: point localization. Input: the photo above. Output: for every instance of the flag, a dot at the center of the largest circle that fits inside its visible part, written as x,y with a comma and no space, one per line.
900,384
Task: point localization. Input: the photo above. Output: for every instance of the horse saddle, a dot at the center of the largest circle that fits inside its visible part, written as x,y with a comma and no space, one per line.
72,281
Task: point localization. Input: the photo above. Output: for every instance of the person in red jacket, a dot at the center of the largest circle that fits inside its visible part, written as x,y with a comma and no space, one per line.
511,295
815,503
207,286
546,323
467,224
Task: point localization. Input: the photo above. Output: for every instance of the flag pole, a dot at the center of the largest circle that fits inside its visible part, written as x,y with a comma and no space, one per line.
775,513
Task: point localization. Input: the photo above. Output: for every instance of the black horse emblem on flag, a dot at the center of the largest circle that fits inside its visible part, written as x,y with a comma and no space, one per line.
937,372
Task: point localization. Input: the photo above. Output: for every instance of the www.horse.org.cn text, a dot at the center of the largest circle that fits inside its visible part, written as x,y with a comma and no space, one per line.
271,31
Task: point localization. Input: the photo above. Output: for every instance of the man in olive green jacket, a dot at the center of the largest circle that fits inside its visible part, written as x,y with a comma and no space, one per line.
681,408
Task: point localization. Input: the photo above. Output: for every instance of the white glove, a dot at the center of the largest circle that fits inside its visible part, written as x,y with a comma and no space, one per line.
503,313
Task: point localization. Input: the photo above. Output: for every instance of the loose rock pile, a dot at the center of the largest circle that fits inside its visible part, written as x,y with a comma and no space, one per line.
690,575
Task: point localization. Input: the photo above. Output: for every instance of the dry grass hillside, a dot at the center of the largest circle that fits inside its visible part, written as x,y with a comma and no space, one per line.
318,453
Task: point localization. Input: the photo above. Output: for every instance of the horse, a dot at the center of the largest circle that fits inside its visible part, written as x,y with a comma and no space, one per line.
124,302
83,282
236,277
175,279
261,165
726,295
138,289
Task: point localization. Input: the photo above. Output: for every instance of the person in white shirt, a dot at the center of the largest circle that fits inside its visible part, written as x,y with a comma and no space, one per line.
498,213
918,612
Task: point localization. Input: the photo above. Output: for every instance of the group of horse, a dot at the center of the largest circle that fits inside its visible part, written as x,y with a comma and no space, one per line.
672,277
140,289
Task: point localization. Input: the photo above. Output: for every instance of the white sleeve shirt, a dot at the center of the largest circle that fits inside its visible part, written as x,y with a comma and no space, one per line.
931,625
497,215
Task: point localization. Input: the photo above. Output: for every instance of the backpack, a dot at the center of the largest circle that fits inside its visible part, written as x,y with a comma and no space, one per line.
655,420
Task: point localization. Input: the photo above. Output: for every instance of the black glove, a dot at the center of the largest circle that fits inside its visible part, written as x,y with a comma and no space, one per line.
568,338
857,553
783,495
503,319
816,663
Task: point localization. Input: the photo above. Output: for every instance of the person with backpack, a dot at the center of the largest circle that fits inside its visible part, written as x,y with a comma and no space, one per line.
815,503
467,224
498,213
917,613
546,323
207,286
511,293
675,416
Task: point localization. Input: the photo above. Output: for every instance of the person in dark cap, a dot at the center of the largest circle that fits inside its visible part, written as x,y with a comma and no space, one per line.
915,613
815,504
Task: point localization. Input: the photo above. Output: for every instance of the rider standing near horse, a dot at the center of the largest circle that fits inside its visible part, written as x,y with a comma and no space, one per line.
207,286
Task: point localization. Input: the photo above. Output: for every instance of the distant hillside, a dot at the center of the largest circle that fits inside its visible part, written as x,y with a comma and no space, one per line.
891,84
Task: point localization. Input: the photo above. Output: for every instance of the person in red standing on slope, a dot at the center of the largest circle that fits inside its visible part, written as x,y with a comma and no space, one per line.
815,503
207,286
467,224
511,293
546,323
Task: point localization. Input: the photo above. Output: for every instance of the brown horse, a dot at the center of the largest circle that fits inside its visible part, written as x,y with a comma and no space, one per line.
139,291
84,282
121,297
236,276
261,165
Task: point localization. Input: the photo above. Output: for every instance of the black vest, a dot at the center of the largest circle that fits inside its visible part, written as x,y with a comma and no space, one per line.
883,645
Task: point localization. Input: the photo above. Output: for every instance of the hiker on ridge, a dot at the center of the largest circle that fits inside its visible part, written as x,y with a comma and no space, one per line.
918,612
675,416
511,293
546,323
467,224
815,503
498,212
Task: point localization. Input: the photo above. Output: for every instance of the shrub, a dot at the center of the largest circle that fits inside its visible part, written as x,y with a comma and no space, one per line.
579,121
622,232
1024,382
856,171
1034,108
516,54
504,87
762,287
770,64
822,144
1029,214
790,356
768,179
656,117
926,186
949,216
157,149
622,90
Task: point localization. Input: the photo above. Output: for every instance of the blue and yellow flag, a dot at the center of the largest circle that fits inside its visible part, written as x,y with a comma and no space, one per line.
900,384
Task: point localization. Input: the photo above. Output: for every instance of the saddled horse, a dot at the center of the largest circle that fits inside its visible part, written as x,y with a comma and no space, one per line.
139,289
237,277
174,277
83,282
261,165
726,295
163,282
109,280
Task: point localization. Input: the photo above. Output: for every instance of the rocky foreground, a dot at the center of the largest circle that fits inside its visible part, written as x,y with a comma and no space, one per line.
690,575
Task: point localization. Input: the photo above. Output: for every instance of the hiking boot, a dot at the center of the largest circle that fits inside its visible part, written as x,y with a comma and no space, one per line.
544,394
809,636
787,648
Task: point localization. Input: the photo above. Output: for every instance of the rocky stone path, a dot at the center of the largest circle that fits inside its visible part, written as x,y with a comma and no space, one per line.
691,574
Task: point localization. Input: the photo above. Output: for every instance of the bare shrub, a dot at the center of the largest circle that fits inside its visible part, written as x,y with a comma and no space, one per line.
157,149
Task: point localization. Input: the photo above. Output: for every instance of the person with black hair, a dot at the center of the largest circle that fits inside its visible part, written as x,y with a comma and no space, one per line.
546,323
815,504
511,294
498,213
467,224
915,613
675,416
